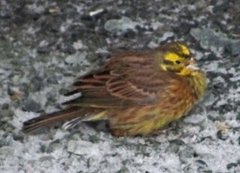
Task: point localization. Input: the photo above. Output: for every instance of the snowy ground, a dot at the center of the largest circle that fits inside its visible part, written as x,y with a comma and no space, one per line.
44,45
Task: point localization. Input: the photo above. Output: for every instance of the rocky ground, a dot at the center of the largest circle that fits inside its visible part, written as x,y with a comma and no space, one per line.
45,44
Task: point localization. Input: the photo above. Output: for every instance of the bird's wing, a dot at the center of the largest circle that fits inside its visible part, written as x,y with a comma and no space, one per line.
124,81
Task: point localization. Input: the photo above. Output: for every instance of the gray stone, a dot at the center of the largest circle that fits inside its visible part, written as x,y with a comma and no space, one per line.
216,41
120,25
31,105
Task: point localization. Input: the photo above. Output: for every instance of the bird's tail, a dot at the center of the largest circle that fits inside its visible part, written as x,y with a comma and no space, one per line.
52,118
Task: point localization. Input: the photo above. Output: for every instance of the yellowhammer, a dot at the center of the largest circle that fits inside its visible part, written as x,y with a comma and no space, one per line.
136,92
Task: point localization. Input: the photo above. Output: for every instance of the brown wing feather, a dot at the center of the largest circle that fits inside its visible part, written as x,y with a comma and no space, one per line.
48,119
124,81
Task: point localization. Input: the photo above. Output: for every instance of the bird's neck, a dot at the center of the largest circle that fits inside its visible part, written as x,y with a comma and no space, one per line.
198,81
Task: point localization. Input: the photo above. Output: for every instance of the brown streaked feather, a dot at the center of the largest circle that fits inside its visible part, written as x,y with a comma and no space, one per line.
52,118
99,103
72,92
121,83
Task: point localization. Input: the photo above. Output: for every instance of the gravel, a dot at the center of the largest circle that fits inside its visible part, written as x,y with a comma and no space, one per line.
44,45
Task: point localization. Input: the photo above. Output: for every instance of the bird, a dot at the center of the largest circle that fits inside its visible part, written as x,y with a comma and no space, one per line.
138,93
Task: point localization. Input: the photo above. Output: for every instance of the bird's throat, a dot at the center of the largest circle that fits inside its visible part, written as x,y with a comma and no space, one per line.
198,81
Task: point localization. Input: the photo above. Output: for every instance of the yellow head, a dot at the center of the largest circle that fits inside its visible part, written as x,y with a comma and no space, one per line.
176,57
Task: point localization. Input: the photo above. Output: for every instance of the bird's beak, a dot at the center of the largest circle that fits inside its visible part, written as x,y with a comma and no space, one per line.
192,65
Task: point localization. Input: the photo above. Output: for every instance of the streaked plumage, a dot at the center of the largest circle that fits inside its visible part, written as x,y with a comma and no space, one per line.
136,92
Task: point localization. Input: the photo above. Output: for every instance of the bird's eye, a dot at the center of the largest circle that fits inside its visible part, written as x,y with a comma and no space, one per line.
177,62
